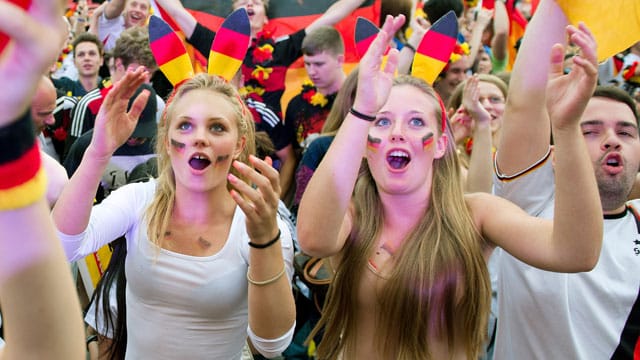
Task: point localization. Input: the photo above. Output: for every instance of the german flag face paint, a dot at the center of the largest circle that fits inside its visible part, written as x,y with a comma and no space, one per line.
427,141
373,143
178,145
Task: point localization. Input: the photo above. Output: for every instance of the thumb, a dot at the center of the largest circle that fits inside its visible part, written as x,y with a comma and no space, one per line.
556,67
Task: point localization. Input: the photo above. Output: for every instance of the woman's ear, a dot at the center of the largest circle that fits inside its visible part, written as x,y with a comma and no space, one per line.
242,141
441,146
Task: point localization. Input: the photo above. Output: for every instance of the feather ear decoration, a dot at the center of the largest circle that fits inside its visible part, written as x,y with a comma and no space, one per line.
169,52
435,48
230,45
366,31
228,49
434,52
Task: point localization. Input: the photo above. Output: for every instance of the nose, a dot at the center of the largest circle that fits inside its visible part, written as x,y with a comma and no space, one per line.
397,133
611,141
200,137
49,120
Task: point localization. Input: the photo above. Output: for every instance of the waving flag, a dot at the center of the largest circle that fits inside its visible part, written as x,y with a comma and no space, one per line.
614,23
285,17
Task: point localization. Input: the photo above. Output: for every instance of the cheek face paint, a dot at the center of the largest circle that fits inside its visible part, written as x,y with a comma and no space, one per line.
178,145
427,141
222,158
373,144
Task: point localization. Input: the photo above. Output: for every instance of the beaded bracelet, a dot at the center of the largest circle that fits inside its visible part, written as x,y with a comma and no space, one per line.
268,281
22,177
264,246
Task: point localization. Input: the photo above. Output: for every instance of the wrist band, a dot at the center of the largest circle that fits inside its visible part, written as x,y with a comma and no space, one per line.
361,116
264,246
269,281
22,179
91,338
410,47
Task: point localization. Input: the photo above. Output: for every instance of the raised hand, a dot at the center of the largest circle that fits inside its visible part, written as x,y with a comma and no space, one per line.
374,81
568,94
114,124
461,124
37,36
259,203
471,102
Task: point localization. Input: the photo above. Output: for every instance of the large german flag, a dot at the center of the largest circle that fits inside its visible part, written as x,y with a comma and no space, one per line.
285,17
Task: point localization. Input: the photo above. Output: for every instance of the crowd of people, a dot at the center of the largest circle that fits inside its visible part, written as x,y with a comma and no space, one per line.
491,214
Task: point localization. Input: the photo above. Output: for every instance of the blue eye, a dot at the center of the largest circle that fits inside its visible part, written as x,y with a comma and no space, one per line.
383,122
184,126
416,122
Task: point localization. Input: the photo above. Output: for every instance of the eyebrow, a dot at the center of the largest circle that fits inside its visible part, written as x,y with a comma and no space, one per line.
620,123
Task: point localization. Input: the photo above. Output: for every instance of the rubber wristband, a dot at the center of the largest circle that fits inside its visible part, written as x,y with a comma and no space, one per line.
361,116
268,281
264,246
410,47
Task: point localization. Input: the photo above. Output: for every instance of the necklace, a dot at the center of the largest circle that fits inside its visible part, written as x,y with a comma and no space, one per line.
311,95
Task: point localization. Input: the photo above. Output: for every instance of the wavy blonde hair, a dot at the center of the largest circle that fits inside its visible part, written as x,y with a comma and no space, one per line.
159,211
439,287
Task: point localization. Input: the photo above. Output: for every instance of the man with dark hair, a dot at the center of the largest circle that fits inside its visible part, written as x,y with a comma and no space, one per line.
87,57
590,315
131,50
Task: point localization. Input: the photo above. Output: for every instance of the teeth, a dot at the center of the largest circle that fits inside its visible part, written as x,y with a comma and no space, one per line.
200,157
399,153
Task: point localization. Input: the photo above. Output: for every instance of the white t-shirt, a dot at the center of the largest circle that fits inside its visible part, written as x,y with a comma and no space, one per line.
109,30
547,315
178,306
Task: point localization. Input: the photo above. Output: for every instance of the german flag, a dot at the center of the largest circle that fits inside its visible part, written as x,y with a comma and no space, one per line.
615,24
285,17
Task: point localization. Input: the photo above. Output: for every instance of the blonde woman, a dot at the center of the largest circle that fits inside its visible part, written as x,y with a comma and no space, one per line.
208,259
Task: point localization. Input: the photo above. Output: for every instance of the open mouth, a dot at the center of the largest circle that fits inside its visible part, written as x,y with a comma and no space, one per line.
398,159
613,163
250,12
199,162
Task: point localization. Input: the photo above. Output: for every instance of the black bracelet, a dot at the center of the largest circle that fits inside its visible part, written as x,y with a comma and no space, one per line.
91,338
264,246
410,47
362,116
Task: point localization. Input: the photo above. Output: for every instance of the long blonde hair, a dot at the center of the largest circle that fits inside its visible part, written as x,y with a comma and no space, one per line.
159,211
439,287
